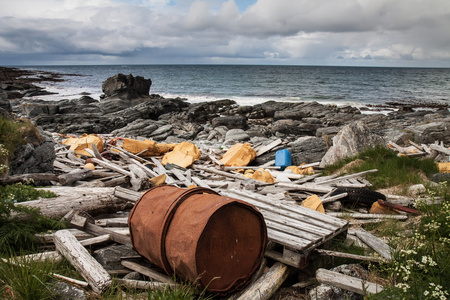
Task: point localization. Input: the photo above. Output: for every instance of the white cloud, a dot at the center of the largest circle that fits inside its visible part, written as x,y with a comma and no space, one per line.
283,30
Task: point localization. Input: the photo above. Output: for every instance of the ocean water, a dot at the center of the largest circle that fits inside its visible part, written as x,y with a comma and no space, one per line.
252,84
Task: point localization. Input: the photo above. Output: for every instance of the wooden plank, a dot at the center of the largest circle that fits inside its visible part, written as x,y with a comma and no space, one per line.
375,243
199,182
346,282
441,149
218,172
308,187
74,176
310,231
266,285
127,194
334,180
143,285
287,239
366,216
162,170
117,237
268,147
292,207
112,222
348,255
111,166
91,270
147,271
181,177
334,198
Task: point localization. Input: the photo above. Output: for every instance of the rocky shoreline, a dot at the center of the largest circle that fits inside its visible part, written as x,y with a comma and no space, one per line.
127,109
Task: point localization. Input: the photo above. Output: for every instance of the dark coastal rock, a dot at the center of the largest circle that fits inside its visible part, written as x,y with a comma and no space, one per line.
351,140
36,156
207,111
64,291
5,104
231,122
307,149
126,87
110,257
236,135
293,127
431,132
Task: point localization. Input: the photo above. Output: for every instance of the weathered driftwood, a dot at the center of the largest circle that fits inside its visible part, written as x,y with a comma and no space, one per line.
334,180
29,177
346,282
441,149
366,216
92,200
348,255
307,187
74,176
266,285
91,270
117,237
111,166
112,222
268,147
375,243
71,280
334,198
147,271
143,285
127,194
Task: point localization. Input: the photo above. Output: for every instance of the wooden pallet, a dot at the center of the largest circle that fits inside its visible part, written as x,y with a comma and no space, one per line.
298,229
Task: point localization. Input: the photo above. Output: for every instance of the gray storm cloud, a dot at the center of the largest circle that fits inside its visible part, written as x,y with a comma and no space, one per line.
283,31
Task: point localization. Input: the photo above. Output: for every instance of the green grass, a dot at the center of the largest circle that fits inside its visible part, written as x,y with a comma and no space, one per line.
25,279
19,224
393,170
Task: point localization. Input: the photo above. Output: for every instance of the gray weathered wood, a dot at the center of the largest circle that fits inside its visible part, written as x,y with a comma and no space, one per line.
348,255
308,187
375,243
334,198
334,180
147,271
266,285
440,149
268,147
29,177
111,166
348,283
92,200
127,194
143,285
366,216
74,176
91,270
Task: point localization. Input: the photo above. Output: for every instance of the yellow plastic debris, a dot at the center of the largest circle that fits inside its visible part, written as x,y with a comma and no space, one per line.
240,155
300,171
183,155
444,167
89,166
382,210
146,148
262,175
314,202
85,141
158,180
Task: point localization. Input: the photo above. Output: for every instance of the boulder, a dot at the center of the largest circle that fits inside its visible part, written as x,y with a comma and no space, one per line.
110,257
36,156
236,135
231,122
64,291
431,132
4,102
126,87
351,140
307,149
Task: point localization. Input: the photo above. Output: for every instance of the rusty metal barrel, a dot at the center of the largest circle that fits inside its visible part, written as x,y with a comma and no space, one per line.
217,242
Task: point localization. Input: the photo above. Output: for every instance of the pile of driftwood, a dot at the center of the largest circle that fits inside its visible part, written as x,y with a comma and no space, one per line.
295,232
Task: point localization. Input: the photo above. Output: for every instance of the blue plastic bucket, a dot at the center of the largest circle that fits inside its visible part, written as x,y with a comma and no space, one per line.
283,158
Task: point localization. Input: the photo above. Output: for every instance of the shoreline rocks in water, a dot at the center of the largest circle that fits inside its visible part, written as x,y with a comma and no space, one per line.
128,110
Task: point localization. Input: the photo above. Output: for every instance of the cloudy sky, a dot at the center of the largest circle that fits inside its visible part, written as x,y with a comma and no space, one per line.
297,32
